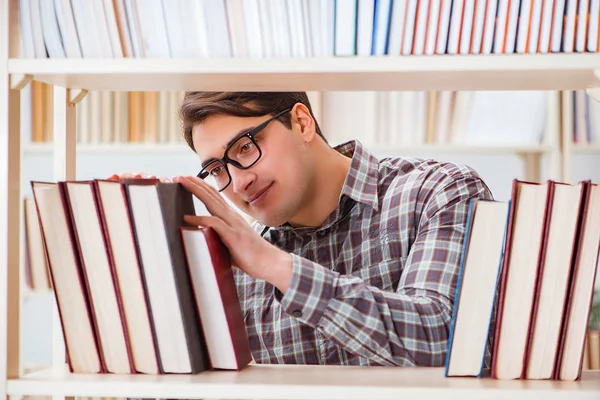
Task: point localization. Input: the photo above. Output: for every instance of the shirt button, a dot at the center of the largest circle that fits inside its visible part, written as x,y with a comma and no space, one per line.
321,233
297,313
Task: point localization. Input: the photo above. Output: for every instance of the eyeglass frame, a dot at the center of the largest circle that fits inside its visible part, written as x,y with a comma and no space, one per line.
250,135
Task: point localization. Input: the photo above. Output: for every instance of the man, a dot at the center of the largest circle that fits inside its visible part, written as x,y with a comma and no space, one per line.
361,256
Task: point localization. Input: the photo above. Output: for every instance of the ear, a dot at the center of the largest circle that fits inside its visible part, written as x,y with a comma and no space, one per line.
303,123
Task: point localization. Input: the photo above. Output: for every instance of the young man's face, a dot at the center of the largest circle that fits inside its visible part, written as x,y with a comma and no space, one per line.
272,189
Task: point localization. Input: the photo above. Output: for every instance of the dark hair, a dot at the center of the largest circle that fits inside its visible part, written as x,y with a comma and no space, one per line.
198,106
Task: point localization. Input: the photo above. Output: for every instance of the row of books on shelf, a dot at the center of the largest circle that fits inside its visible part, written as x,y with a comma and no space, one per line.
526,283
107,116
303,28
138,291
479,118
377,118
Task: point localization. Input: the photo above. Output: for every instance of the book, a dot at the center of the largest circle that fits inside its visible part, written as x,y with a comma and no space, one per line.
481,260
157,211
81,342
216,296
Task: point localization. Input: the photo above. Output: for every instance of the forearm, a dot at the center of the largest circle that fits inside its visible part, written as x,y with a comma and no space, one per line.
385,327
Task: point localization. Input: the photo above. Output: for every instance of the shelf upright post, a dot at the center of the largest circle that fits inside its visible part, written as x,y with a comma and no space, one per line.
10,195
64,158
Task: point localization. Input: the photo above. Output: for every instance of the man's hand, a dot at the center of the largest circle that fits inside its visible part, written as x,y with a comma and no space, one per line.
250,252
136,175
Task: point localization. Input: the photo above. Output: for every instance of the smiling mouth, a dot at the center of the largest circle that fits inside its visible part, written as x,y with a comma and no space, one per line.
259,195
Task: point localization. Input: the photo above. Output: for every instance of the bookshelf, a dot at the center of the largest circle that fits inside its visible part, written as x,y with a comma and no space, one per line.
439,72
447,72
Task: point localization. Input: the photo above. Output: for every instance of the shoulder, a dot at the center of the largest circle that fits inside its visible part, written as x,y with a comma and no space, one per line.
425,180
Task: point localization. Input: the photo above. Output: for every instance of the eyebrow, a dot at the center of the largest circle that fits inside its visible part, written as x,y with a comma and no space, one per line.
238,135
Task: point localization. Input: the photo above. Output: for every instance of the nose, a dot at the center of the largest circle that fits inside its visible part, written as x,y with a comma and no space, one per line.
241,179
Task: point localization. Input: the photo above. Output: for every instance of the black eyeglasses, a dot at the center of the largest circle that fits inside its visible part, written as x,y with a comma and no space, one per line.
243,153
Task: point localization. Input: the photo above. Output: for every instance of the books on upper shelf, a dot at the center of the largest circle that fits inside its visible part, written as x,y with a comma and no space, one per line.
303,28
132,283
525,290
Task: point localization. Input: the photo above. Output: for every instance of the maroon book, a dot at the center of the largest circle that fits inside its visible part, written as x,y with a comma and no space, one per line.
221,317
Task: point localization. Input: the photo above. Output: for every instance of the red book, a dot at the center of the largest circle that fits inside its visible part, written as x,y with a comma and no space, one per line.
221,317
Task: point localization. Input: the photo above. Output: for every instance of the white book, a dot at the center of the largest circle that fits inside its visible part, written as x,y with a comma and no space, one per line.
582,21
112,29
306,21
396,35
50,30
252,28
345,17
511,30
444,25
381,27
524,26
235,21
592,40
219,43
455,25
152,29
568,40
364,27
316,29
546,27
557,25
196,33
174,23
432,26
327,26
281,26
468,23
68,31
36,25
296,28
27,46
479,25
266,28
409,27
421,27
121,14
134,28
536,21
490,24
501,26
96,17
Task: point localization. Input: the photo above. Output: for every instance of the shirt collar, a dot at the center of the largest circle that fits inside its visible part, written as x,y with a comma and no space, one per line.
363,175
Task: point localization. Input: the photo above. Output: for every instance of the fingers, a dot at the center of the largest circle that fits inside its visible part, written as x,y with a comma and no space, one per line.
136,175
205,221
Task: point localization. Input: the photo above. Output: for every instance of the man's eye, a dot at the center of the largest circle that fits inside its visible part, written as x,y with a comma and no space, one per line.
246,147
216,171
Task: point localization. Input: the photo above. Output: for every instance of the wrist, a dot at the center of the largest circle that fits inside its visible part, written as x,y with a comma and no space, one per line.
278,270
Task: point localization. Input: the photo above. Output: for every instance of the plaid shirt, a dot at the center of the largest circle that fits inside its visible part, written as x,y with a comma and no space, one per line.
375,284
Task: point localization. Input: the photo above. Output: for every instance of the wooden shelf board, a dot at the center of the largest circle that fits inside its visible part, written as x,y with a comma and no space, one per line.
438,72
586,148
152,148
303,382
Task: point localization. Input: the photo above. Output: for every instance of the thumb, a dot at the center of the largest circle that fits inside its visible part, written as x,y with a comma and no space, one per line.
210,221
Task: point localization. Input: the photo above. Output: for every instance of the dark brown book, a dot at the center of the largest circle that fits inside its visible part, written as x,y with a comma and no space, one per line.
217,300
82,347
157,211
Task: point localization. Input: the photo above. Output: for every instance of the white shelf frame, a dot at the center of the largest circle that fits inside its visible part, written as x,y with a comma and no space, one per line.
480,72
438,72
303,382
